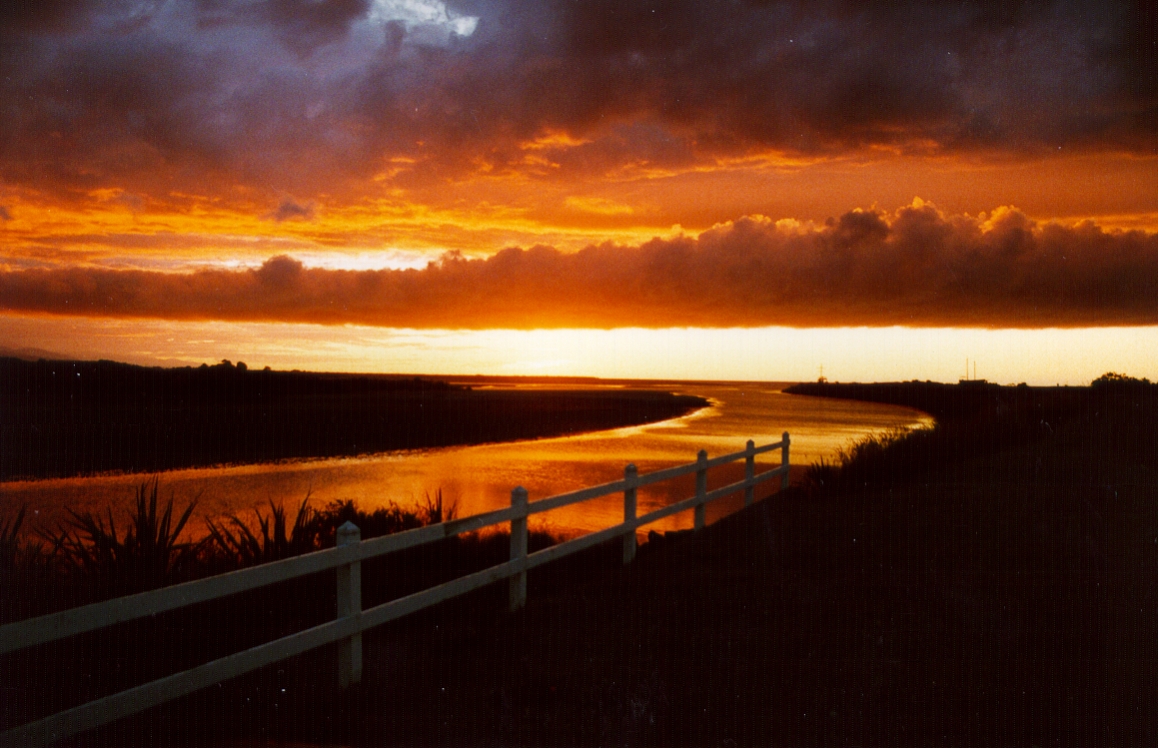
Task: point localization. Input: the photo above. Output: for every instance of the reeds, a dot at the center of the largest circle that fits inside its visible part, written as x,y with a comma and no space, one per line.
234,540
91,556
872,460
10,541
147,556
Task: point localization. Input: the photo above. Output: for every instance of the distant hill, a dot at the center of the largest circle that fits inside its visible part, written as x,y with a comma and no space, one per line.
28,353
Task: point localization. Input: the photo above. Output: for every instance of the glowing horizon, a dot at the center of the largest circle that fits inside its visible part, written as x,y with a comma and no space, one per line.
1041,357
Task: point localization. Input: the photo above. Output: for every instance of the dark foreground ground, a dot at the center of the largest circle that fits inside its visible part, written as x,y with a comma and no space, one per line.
990,583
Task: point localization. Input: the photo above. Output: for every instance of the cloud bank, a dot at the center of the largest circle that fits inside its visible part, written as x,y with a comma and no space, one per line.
916,267
310,98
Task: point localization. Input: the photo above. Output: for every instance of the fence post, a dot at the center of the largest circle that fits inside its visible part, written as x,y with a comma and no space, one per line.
349,604
518,585
750,473
701,488
784,463
630,475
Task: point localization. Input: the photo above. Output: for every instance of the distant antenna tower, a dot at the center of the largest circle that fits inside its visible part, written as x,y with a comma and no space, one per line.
822,379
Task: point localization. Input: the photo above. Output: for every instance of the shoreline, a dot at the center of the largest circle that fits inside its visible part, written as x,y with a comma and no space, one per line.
988,580
69,419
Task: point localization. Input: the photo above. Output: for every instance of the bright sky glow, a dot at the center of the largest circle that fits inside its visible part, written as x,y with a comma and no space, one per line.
1039,357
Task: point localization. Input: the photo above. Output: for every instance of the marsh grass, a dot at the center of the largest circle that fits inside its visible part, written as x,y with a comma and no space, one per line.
92,556
148,554
233,542
10,544
872,460
237,544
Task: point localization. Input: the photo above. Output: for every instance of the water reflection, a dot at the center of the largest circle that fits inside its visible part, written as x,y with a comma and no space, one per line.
480,478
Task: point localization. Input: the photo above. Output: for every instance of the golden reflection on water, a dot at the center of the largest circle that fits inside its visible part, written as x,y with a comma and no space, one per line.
479,478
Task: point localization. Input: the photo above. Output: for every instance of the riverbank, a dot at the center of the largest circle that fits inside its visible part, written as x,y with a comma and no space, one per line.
69,418
984,589
986,582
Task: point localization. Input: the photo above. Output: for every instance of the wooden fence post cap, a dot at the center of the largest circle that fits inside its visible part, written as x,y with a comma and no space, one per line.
349,533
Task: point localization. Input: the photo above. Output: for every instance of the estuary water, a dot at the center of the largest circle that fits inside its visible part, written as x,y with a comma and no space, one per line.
479,478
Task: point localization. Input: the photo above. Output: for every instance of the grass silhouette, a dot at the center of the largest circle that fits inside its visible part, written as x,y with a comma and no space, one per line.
10,543
90,558
147,556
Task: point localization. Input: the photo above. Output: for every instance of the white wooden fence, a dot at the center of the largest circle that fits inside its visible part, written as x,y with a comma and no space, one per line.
351,620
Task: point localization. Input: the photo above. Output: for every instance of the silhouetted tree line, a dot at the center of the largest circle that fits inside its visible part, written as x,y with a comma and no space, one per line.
63,418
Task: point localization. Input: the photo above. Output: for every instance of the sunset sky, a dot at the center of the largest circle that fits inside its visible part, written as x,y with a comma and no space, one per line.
737,190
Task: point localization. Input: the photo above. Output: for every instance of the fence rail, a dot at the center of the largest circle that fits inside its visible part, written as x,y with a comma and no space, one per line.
351,620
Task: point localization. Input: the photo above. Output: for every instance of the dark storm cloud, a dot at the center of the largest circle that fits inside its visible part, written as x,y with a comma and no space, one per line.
304,25
46,15
915,267
837,74
102,111
310,95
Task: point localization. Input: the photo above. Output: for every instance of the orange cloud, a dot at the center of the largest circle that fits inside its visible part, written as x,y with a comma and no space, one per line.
916,267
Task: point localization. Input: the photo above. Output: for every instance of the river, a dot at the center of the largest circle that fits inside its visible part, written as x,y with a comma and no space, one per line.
478,478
